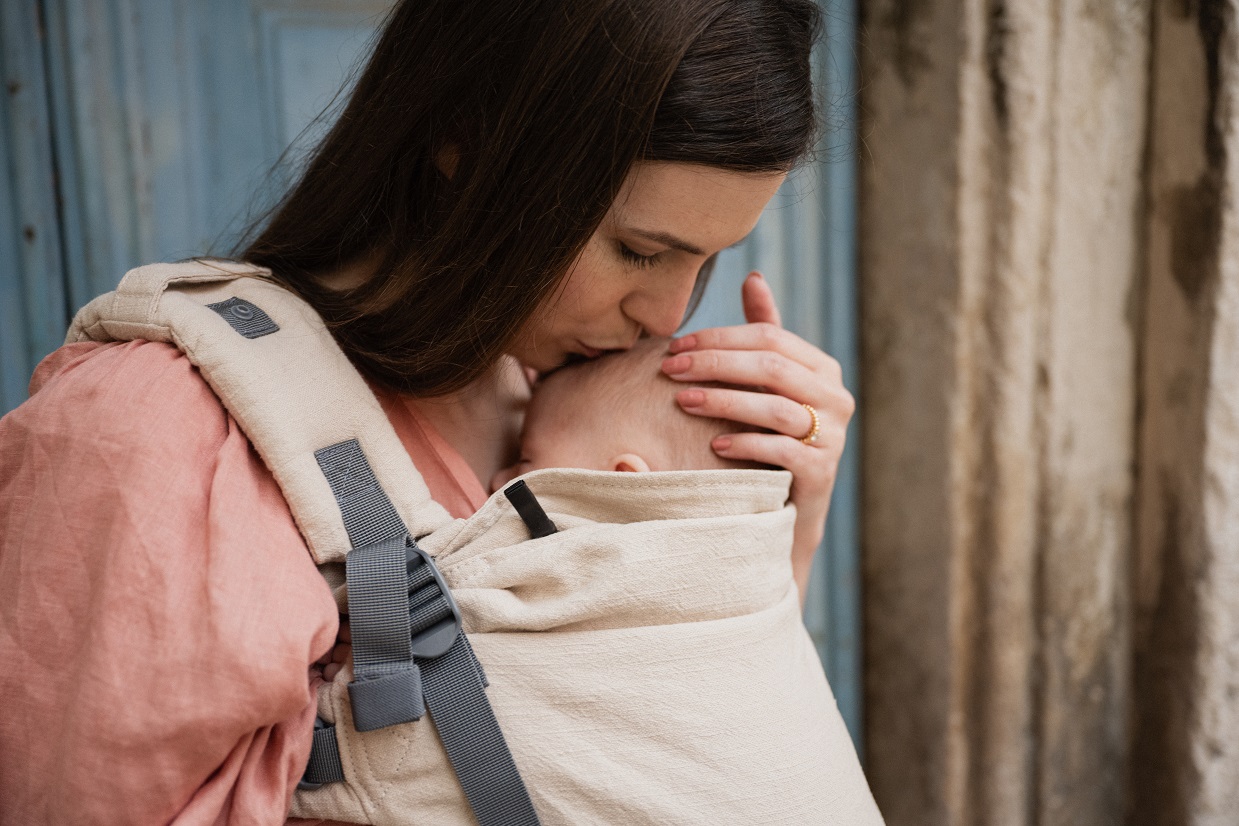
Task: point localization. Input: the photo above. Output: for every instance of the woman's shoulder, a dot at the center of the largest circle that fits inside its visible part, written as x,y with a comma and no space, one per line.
135,515
139,396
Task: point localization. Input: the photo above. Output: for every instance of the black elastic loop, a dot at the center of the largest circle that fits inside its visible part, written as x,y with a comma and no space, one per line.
529,510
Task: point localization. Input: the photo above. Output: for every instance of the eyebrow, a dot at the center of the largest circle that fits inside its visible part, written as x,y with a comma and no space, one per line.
667,239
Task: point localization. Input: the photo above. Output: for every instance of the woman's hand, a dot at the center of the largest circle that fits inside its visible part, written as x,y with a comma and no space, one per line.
794,373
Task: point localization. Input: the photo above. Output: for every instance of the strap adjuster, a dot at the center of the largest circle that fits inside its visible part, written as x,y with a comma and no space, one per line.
400,618
434,617
324,765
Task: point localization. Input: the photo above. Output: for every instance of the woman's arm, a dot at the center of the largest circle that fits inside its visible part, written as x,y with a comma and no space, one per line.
160,611
763,354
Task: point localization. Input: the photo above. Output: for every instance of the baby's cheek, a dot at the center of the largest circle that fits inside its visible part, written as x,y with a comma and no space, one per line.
504,476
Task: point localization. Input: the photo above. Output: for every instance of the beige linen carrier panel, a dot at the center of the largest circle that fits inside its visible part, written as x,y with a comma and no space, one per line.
648,662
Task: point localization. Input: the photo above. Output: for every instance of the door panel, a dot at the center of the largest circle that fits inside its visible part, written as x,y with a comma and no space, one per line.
176,114
32,296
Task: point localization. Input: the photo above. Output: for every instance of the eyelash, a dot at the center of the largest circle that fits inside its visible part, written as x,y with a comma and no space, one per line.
636,258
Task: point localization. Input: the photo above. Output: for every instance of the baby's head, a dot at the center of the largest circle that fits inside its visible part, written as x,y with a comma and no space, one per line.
617,412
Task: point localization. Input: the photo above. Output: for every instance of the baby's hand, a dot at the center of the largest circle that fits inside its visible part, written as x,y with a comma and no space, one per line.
340,653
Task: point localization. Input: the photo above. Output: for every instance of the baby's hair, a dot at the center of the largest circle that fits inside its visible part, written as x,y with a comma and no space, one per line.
629,383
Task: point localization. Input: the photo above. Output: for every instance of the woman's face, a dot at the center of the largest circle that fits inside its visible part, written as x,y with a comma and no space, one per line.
637,272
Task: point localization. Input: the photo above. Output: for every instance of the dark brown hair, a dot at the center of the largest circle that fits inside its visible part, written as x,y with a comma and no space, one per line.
548,103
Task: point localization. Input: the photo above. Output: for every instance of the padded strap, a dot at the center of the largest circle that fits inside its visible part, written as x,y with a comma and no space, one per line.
277,369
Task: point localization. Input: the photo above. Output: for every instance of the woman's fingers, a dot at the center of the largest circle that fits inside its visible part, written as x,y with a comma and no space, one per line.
813,474
762,337
813,465
761,354
754,368
766,410
759,303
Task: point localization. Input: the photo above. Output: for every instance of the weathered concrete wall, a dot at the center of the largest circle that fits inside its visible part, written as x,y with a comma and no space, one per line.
910,294
1002,257
1185,746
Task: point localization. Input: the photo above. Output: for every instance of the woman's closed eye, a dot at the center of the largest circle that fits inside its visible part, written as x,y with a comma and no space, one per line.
635,258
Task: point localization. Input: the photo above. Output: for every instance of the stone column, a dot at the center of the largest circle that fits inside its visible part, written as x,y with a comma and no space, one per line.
1001,253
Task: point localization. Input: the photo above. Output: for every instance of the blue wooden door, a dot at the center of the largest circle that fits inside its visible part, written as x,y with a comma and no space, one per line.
148,130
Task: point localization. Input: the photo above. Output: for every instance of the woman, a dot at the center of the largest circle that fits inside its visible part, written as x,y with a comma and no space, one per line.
512,185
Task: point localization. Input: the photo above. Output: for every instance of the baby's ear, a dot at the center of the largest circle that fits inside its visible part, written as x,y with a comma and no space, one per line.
629,463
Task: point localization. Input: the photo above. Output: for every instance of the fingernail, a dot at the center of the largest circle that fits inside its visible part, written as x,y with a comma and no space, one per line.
677,364
721,443
679,345
758,275
691,398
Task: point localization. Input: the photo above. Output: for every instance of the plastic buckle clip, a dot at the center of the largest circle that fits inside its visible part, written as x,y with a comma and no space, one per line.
426,587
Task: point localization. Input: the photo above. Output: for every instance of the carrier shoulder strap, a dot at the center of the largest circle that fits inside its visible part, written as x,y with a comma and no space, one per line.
355,495
291,393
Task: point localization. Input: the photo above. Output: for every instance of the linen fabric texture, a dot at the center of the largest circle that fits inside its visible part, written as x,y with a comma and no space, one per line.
648,662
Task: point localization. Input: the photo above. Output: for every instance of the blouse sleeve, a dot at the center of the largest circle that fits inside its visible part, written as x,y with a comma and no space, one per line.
159,612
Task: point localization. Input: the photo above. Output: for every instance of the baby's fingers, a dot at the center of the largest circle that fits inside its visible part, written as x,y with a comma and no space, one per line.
340,654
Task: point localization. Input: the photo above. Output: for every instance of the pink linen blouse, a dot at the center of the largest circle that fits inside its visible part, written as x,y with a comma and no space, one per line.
159,611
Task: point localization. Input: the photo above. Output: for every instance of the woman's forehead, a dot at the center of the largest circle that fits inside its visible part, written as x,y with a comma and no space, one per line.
705,207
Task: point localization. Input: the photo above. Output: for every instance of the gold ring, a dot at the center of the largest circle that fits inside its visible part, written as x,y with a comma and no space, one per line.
811,437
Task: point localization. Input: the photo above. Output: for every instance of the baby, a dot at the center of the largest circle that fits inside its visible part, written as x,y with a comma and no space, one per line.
617,412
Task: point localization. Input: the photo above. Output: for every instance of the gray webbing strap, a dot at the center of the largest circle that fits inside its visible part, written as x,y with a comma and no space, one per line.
325,765
399,604
456,694
386,688
369,515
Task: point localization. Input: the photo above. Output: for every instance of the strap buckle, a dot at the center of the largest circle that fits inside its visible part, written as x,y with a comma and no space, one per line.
434,617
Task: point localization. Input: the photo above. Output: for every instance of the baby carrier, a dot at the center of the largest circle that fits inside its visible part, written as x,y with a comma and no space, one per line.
587,648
